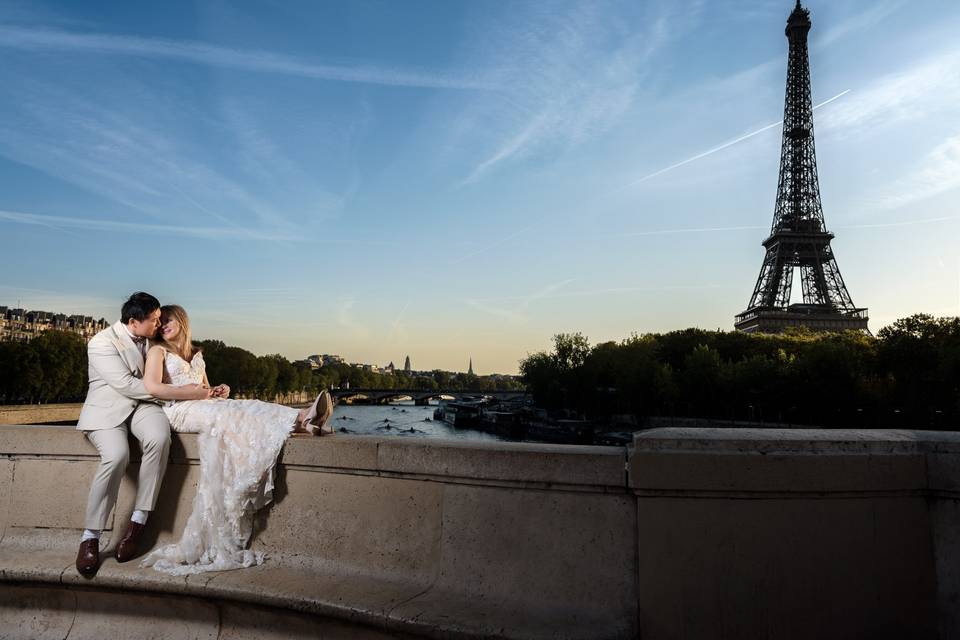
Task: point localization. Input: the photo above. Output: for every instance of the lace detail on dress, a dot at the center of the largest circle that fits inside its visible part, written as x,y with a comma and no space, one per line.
239,441
180,372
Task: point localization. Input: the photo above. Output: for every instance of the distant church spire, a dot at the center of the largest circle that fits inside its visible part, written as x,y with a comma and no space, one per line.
406,365
470,370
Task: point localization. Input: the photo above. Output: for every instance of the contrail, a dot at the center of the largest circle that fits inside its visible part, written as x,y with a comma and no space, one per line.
722,146
655,174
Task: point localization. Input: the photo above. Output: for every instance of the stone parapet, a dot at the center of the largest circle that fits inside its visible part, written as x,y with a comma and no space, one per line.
687,533
797,533
384,535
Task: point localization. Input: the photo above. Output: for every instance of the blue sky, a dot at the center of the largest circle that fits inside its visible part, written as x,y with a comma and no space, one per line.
454,179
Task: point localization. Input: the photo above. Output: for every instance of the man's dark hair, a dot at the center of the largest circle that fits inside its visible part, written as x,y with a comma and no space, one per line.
138,307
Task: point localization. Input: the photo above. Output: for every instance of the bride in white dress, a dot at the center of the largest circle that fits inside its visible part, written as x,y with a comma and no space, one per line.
239,441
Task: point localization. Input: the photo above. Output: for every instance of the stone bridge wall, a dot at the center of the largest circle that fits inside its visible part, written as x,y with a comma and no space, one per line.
689,533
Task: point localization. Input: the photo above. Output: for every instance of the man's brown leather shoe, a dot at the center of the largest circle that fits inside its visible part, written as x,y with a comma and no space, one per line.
127,548
88,557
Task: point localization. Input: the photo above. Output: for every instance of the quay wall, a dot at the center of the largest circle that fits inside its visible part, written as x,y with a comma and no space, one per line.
687,533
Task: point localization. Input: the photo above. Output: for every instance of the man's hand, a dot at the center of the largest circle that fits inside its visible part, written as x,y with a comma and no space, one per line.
200,392
220,391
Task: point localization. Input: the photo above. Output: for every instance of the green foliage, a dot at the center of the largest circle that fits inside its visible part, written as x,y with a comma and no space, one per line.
53,368
908,376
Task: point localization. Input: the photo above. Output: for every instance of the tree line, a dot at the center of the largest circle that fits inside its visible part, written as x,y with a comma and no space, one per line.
907,376
53,368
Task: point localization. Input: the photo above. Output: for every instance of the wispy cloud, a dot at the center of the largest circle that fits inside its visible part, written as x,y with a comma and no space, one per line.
516,314
116,226
568,75
938,173
869,17
115,153
210,233
398,329
138,147
41,39
343,312
927,89
483,303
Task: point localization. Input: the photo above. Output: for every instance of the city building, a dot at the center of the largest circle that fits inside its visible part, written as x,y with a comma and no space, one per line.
21,325
323,360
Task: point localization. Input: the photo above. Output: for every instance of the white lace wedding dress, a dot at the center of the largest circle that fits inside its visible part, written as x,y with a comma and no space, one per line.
239,441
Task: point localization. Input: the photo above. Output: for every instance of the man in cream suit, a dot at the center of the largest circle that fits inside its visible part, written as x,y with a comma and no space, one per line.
117,401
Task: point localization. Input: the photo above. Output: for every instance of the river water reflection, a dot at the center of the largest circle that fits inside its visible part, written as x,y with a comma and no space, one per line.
402,419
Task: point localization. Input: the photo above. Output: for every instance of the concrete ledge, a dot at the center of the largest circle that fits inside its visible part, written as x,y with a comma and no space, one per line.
440,539
797,533
688,533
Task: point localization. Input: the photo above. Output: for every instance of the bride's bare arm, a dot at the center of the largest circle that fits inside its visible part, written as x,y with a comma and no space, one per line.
153,381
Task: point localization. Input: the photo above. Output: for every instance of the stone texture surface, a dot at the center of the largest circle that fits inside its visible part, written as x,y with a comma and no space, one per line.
6,484
507,461
752,471
257,623
489,555
339,452
800,568
50,493
173,505
42,612
45,441
945,516
714,533
136,615
363,524
830,441
36,612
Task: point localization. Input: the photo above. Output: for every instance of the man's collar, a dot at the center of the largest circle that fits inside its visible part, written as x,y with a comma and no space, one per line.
136,339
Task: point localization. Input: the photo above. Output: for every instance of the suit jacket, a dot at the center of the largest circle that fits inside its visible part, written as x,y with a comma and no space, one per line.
116,385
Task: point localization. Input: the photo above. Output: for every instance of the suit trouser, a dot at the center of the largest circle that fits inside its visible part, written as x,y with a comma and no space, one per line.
149,425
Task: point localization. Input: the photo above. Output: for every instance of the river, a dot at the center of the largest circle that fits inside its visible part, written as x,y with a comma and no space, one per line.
401,419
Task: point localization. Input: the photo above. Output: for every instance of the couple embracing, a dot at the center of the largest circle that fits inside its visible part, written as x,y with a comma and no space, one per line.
147,377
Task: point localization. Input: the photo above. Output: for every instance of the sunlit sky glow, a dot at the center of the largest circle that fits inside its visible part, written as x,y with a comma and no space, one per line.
454,179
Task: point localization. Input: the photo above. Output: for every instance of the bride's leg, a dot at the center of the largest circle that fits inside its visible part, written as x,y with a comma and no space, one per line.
305,417
301,425
324,412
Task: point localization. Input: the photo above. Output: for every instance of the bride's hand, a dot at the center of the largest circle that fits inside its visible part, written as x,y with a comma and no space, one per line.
200,392
221,391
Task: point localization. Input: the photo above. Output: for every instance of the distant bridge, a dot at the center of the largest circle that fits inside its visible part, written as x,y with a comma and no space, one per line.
422,396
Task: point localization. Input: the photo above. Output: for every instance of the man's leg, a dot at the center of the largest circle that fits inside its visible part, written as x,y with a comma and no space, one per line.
149,425
114,454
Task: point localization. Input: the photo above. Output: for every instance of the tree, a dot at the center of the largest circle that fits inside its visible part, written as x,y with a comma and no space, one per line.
21,375
63,358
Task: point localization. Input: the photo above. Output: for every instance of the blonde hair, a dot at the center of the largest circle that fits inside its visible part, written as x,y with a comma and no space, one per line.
182,345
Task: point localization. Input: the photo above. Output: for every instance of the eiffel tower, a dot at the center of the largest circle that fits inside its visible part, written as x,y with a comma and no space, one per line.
798,237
